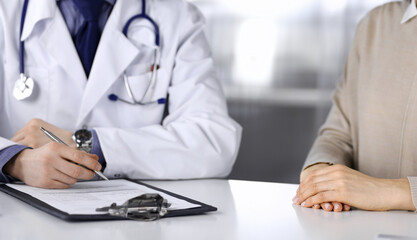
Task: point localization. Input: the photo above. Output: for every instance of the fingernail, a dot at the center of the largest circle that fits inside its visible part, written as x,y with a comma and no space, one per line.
98,167
295,200
336,206
303,204
316,206
327,205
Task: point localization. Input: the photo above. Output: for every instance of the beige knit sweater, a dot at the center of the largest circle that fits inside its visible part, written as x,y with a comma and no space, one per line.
372,126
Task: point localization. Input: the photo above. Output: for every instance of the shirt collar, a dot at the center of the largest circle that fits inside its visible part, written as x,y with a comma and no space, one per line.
111,2
410,13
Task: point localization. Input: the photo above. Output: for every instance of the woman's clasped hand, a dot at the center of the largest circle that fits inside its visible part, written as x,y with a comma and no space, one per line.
337,188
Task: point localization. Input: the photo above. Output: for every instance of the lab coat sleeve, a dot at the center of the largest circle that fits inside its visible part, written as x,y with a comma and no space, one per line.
197,139
334,143
8,149
4,142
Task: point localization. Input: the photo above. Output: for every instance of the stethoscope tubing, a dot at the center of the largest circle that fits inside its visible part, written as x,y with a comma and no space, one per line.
23,87
22,43
154,68
145,16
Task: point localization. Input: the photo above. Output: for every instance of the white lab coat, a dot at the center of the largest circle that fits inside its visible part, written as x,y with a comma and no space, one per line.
196,140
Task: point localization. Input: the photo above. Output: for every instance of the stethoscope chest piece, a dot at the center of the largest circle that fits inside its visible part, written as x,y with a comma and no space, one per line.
23,87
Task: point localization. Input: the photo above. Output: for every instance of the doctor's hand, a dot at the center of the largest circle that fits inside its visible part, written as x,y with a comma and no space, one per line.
31,135
327,206
49,166
339,183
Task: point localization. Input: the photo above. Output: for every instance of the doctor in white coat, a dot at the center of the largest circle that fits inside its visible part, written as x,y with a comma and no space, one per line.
188,135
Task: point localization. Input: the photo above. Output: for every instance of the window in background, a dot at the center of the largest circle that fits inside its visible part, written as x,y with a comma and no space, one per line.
279,62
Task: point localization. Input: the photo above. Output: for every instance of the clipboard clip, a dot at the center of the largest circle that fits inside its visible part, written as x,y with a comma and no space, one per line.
146,207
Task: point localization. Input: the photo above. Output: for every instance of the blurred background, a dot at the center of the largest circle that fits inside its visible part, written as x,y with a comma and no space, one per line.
279,62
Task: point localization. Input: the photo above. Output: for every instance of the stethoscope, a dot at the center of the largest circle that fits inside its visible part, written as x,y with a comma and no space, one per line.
24,85
154,66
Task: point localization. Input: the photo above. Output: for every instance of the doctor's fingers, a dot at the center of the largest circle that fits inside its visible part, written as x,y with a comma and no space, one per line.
64,178
63,158
57,181
32,141
72,172
47,176
54,184
18,137
74,155
51,184
33,126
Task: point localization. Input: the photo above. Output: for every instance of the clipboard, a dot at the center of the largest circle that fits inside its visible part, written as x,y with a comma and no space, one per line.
34,202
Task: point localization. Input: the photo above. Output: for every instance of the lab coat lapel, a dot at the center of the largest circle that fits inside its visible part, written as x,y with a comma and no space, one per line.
36,12
114,54
55,39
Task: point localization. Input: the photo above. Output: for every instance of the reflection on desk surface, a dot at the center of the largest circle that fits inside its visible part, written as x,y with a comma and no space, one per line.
393,237
356,224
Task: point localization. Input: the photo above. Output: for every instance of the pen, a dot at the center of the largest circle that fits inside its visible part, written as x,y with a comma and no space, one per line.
56,139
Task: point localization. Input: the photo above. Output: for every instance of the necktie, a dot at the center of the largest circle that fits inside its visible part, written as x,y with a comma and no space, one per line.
88,37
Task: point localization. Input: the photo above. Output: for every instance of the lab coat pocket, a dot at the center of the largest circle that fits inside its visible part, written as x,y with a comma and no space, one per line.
137,70
140,115
140,87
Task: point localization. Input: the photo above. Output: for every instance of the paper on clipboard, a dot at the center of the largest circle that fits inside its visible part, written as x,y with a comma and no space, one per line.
85,197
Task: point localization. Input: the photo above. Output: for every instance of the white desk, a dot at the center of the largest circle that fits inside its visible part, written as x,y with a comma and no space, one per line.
247,210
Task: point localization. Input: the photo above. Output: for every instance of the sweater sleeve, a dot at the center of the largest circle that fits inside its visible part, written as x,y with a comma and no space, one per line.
334,144
413,187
